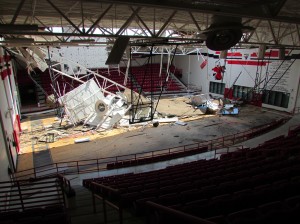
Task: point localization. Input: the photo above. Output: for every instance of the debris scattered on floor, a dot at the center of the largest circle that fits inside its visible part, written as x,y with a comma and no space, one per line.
229,109
90,113
81,140
181,123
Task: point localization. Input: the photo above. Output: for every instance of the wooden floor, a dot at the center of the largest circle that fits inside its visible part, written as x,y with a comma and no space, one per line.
122,141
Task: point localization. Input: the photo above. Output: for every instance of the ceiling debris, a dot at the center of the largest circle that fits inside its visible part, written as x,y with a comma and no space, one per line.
206,103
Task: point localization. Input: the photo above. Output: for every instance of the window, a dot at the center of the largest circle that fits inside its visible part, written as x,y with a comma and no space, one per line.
275,98
217,87
242,92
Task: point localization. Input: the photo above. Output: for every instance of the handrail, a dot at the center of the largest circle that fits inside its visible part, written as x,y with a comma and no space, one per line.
178,214
21,196
104,201
66,185
99,164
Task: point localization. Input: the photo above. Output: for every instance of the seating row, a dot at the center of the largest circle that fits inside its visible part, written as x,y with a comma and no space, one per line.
213,188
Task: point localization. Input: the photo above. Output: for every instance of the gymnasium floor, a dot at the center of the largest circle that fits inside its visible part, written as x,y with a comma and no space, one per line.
122,141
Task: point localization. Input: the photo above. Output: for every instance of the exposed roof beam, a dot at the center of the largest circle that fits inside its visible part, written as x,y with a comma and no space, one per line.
142,21
46,26
63,15
100,17
252,32
166,23
17,12
278,7
128,21
298,33
195,22
256,11
273,33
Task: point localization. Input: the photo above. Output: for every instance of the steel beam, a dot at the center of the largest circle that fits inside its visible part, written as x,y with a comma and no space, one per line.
195,22
272,32
17,12
142,21
99,18
63,15
128,21
166,23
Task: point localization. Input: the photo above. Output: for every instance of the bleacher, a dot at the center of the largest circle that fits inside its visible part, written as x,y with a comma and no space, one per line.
258,185
146,74
33,201
141,76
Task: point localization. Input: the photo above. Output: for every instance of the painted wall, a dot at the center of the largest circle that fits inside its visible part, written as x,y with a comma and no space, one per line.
243,68
94,57
193,76
4,157
88,56
9,114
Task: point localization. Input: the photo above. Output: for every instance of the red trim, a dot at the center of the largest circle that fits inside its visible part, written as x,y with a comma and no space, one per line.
5,73
19,122
16,134
256,99
250,62
6,58
234,54
16,140
228,93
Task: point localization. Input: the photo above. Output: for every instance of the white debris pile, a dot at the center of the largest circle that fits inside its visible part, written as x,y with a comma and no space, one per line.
88,104
206,103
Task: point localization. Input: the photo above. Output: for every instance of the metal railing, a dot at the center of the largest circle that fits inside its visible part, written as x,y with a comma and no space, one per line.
24,195
100,164
66,185
94,188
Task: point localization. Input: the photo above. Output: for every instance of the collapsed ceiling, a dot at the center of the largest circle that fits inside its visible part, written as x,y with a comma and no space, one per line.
271,22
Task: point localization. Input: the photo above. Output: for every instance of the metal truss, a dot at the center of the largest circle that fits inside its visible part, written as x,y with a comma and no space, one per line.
60,22
79,74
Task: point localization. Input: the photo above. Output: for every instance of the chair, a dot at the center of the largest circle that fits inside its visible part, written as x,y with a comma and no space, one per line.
244,216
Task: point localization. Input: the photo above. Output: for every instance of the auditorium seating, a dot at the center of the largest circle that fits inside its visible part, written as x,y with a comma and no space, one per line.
141,76
150,79
156,158
258,185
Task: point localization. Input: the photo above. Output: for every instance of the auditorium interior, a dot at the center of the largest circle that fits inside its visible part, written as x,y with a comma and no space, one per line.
156,112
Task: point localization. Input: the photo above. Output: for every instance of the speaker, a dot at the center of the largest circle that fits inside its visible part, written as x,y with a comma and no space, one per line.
224,32
223,39
117,51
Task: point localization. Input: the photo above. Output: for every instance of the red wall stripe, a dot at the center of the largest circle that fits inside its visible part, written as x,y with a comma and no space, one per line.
241,62
5,72
19,122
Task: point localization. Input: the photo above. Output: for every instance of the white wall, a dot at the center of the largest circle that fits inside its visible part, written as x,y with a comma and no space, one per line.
9,114
192,75
4,159
243,61
94,57
88,56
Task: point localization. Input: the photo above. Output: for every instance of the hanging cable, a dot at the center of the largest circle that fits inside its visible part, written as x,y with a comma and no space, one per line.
165,81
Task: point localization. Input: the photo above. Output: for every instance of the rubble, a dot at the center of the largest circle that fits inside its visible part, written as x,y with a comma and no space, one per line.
81,140
113,118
